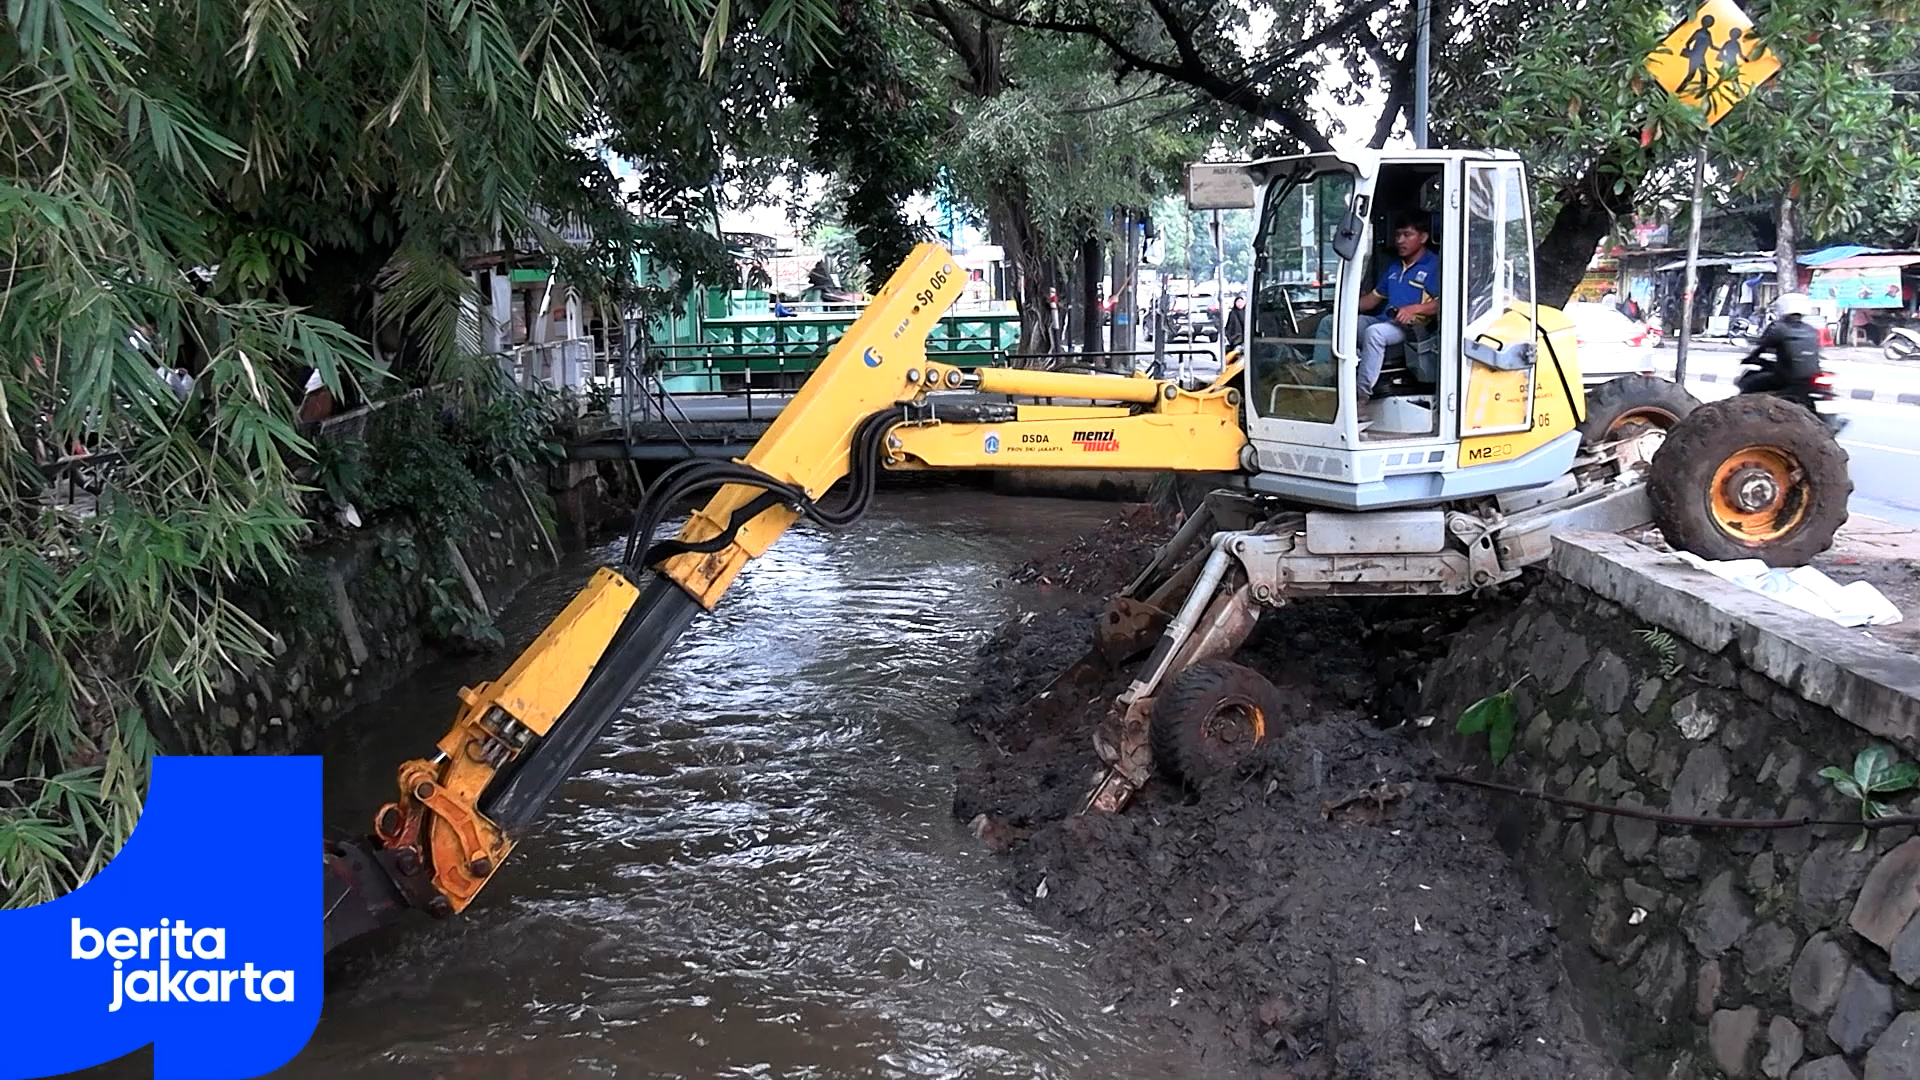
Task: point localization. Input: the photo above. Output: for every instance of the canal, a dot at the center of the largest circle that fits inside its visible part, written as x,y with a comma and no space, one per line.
757,873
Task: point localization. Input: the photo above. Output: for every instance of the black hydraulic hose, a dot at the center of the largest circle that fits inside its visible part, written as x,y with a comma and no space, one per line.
361,892
658,618
661,614
689,477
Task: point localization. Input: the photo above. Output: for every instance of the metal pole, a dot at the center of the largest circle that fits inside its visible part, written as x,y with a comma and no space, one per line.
1420,71
1693,265
1220,287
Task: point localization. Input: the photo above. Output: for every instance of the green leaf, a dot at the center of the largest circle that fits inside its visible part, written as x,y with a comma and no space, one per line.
1500,733
1871,766
1477,715
1899,778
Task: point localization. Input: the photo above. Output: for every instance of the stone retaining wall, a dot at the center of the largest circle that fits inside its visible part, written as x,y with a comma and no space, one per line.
1738,953
359,617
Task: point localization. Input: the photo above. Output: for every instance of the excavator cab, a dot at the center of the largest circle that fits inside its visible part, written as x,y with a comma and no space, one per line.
1480,397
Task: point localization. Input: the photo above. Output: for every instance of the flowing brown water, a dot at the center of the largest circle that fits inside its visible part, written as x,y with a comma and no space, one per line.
756,873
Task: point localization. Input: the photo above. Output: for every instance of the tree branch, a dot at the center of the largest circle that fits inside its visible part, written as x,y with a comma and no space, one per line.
1398,74
1191,72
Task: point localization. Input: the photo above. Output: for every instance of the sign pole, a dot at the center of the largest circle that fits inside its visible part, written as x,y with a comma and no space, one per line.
1420,78
1693,263
1720,31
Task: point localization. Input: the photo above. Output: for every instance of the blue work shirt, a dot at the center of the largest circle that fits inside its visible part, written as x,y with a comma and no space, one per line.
1407,284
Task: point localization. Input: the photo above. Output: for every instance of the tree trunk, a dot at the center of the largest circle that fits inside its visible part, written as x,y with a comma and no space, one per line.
1036,278
1786,261
1562,253
1090,296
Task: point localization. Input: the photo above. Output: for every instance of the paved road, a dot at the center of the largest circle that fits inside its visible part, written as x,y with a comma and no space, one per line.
1857,372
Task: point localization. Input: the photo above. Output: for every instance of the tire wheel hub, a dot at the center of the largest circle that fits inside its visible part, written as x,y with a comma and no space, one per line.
1233,729
1759,493
1752,489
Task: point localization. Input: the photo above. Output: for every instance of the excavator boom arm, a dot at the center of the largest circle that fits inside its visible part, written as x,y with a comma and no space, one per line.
460,812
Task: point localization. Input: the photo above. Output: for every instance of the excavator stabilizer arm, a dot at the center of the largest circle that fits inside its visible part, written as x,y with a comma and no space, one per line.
459,812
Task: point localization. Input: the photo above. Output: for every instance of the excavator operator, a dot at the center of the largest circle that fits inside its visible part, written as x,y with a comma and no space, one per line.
1410,290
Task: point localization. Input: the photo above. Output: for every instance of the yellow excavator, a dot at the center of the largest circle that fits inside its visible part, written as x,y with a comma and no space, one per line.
1476,445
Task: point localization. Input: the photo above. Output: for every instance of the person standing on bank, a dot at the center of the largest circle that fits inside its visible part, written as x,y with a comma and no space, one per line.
1410,289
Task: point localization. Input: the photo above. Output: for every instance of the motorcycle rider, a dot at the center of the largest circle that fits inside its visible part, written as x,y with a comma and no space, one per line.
1795,345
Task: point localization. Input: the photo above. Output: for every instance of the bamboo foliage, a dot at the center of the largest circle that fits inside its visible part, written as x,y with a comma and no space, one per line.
173,165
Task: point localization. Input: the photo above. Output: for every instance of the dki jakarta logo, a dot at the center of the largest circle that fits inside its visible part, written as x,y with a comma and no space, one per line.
174,943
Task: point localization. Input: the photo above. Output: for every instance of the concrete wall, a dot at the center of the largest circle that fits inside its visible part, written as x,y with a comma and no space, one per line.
1720,952
358,619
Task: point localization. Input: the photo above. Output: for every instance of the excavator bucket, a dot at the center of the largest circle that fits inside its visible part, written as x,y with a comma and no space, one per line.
1134,619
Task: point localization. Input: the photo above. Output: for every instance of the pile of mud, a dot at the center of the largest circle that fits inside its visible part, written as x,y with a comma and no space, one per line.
1103,562
1284,933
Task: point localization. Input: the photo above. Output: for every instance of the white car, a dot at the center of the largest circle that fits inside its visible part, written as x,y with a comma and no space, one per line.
1611,345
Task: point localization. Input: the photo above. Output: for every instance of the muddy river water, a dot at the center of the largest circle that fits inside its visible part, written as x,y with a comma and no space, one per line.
757,873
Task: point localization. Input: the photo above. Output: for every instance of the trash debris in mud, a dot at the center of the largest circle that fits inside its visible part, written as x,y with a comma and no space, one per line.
1368,805
1293,936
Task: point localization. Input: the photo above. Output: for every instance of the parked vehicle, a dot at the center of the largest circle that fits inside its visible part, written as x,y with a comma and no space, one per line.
1901,343
1611,345
1747,329
1193,317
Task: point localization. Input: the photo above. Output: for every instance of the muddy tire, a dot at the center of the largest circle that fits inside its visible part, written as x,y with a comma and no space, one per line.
1210,717
1750,477
1634,404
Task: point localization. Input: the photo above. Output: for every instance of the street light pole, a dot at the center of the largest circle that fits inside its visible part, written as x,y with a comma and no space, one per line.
1423,34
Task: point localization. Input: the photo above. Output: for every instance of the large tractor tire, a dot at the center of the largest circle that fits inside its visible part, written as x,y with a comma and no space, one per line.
1750,477
1210,717
1634,406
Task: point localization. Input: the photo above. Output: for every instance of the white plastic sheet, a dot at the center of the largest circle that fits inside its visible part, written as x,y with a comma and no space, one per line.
1857,603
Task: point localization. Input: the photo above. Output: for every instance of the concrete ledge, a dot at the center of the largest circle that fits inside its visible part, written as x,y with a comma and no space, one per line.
1869,683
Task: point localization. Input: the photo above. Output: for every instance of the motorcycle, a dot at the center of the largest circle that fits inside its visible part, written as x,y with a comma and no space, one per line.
1901,343
1809,395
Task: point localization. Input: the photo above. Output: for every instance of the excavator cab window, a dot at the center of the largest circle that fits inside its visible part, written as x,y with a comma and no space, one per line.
1498,267
1407,390
1297,296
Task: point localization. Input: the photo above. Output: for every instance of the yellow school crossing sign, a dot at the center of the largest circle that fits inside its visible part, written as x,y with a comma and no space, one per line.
1713,59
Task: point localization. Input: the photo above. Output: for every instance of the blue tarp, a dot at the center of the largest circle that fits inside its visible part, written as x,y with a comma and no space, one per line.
1832,254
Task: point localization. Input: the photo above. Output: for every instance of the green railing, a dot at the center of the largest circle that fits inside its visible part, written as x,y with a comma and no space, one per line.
768,353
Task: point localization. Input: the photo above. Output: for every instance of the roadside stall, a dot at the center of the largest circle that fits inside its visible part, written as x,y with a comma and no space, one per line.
1868,294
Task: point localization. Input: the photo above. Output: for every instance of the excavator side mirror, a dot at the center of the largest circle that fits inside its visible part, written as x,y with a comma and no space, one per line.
1346,238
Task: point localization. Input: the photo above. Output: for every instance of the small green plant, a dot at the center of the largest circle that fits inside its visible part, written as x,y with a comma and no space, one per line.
1497,715
456,622
1665,647
399,551
415,469
1874,773
340,469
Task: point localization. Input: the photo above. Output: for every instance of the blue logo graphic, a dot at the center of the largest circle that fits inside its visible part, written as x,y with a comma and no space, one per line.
993,443
202,937
872,358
